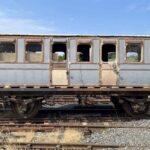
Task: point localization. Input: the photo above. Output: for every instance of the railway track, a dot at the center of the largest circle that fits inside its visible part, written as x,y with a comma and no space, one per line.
82,125
58,116
53,126
85,122
89,119
48,146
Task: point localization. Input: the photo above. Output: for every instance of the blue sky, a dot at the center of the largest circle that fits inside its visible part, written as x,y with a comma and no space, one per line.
75,17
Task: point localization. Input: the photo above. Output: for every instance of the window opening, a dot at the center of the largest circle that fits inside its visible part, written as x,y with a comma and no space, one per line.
83,52
108,53
59,51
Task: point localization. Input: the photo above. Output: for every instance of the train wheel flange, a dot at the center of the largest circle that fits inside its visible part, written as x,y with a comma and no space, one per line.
136,110
26,110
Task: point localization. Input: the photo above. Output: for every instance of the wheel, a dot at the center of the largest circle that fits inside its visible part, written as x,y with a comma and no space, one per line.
115,101
26,111
136,110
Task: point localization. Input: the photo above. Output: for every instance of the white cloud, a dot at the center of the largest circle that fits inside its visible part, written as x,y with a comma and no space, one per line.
18,25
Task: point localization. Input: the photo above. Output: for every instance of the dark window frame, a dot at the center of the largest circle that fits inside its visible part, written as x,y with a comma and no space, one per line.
90,52
66,52
116,51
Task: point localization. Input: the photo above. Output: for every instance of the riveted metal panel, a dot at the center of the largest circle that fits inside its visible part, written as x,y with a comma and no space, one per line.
95,51
24,77
134,77
46,50
121,50
84,66
72,51
147,51
20,50
84,77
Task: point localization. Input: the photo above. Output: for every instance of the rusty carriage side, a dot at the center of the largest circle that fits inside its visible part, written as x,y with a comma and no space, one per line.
85,69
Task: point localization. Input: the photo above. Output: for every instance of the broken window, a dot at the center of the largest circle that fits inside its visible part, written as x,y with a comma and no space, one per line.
59,52
34,52
108,53
7,52
133,53
83,52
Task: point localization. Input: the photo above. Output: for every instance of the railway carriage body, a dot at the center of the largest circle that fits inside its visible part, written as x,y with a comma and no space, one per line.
74,61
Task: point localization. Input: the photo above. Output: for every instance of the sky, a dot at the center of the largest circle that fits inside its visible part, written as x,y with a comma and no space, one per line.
96,17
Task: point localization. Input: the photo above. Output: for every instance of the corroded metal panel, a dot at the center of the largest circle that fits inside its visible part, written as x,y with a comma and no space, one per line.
72,51
95,51
147,51
121,50
46,50
84,77
108,66
59,77
24,77
20,50
109,74
108,77
134,77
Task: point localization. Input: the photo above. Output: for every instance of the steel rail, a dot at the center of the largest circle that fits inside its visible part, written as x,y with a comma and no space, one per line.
54,126
55,146
46,120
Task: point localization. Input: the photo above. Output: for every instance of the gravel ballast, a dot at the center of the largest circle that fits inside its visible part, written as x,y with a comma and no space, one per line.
106,136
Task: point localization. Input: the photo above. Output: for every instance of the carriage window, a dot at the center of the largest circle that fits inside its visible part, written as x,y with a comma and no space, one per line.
108,53
133,53
7,52
33,52
59,51
83,52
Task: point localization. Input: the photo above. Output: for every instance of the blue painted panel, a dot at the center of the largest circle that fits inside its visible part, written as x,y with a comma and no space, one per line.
24,77
134,77
84,77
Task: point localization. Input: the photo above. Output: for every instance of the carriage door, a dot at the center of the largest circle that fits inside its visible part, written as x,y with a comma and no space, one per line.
59,63
109,68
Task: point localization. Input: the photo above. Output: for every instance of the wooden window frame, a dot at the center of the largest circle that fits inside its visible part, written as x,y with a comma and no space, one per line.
27,41
14,41
57,42
88,42
113,42
142,52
